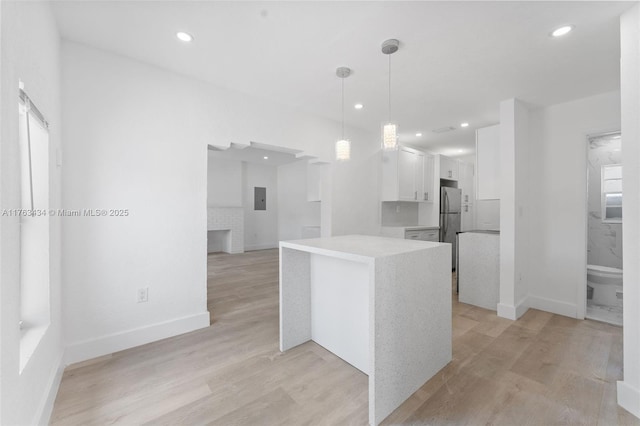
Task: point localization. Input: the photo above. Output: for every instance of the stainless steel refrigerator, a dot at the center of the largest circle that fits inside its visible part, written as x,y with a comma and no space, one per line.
450,214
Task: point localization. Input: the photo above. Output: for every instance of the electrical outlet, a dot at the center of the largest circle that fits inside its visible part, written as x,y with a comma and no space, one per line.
143,294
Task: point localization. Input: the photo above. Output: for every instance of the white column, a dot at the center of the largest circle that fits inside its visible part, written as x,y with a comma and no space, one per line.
514,135
629,388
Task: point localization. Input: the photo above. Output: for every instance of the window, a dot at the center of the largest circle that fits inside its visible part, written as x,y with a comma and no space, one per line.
612,193
34,227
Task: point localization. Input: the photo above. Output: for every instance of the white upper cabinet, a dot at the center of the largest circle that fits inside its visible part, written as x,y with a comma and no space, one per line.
488,163
429,191
407,175
466,182
448,168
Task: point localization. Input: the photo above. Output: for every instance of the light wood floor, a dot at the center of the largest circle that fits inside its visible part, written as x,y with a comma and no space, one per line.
543,369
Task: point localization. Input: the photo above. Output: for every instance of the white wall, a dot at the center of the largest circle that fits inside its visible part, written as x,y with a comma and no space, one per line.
294,211
136,137
224,181
133,139
260,226
29,51
355,194
557,199
629,389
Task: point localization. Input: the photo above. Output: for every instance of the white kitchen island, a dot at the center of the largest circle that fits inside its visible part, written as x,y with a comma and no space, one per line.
381,304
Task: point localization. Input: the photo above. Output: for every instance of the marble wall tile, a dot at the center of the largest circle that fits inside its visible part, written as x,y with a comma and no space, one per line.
604,246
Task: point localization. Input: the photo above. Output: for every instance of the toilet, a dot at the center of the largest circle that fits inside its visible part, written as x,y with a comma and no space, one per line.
606,283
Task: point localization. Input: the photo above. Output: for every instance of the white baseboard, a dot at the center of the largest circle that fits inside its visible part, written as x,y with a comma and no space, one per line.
93,348
553,306
629,398
513,312
45,408
261,247
507,311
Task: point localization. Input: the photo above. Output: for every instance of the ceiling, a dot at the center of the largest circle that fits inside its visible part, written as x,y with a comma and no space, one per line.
256,154
457,60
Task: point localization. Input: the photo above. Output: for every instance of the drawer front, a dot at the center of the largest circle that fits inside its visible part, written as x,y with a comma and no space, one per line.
412,235
432,235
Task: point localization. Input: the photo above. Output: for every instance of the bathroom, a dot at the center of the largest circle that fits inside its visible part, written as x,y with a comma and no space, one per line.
604,235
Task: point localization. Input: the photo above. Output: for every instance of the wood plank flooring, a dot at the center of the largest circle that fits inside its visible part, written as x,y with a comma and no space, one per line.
541,370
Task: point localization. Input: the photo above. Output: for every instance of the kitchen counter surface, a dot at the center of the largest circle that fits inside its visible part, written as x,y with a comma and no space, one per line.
362,248
482,231
412,227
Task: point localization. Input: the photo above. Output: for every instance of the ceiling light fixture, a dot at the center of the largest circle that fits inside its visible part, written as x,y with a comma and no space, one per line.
418,134
390,130
265,157
358,106
559,32
343,146
464,125
182,36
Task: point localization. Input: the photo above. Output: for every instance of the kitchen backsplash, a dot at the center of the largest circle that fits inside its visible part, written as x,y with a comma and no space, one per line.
399,213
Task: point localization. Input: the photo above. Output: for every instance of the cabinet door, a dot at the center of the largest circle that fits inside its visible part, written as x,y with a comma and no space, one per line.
407,175
448,168
488,163
466,182
468,218
428,193
419,176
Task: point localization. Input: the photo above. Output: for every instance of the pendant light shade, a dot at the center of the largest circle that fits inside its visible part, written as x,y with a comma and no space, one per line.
343,146
343,150
390,130
389,136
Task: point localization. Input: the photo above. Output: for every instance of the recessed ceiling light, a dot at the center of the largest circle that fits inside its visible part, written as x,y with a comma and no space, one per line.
265,157
464,124
358,106
186,37
461,150
559,32
418,134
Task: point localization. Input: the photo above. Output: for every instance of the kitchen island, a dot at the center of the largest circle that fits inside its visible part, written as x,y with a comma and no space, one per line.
479,268
381,304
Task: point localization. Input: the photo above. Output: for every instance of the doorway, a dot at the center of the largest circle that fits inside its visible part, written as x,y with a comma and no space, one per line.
604,228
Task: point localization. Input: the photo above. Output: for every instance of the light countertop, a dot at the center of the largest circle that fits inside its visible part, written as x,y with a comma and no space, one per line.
482,231
359,247
413,227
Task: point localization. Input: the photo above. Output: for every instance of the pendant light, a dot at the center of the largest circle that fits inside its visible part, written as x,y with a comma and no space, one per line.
343,146
390,130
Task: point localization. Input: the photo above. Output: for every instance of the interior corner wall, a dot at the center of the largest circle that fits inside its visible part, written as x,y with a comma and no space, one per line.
260,226
629,388
136,138
294,211
29,51
558,199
